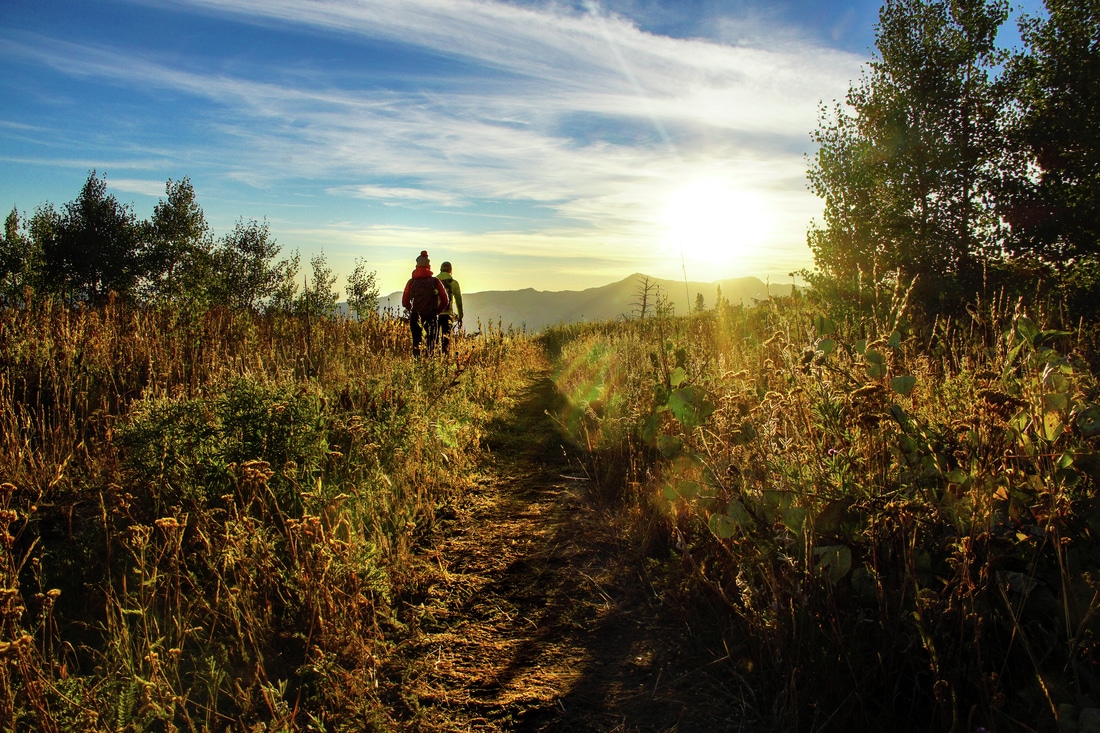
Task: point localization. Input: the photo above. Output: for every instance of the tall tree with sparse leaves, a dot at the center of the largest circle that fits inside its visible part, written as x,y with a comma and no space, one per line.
905,168
1054,206
19,258
177,247
362,291
318,297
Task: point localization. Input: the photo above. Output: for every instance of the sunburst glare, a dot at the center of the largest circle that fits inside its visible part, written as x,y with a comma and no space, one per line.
713,224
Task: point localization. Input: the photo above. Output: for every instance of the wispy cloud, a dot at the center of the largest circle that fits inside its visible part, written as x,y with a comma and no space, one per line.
580,112
138,186
395,194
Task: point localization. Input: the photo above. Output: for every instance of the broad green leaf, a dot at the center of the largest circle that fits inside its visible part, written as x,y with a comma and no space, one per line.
690,406
876,371
1027,329
671,446
677,377
874,357
1089,422
833,562
826,346
778,499
722,526
834,516
795,518
737,512
1052,426
958,476
895,340
688,489
860,346
824,325
1055,402
1056,380
899,414
903,385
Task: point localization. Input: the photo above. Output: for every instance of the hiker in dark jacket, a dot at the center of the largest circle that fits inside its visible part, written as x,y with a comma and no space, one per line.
424,298
453,315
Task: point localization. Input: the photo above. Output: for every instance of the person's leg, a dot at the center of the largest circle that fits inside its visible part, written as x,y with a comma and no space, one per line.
431,333
445,332
417,333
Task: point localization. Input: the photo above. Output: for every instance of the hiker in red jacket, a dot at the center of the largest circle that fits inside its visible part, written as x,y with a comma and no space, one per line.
424,298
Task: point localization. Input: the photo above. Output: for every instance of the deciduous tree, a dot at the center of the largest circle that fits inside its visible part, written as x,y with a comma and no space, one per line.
904,169
91,250
362,291
19,258
177,247
1055,209
246,274
318,298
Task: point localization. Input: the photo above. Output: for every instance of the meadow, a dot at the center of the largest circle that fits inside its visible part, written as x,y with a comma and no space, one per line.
209,520
899,521
206,517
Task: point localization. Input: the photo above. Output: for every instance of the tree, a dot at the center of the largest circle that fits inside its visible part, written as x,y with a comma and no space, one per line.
720,302
1054,208
643,301
906,170
663,307
245,273
362,291
91,250
177,247
19,258
318,298
700,303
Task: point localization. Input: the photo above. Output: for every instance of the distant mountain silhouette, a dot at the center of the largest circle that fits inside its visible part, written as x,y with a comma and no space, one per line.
535,309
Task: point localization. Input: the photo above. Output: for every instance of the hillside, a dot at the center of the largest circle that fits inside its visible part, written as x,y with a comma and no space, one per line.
536,309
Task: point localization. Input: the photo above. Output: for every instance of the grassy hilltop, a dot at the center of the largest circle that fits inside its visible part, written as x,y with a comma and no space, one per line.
221,521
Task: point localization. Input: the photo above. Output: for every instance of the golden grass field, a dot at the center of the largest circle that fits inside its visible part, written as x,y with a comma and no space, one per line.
225,521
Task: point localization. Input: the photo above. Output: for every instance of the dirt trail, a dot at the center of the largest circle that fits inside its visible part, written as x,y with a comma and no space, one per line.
534,615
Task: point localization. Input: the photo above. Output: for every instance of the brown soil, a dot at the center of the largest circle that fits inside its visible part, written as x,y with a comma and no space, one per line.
533,612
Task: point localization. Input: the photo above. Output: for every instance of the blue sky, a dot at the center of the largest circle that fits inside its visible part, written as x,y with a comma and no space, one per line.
554,145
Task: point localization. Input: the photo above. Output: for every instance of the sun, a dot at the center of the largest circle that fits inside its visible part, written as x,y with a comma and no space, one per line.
712,223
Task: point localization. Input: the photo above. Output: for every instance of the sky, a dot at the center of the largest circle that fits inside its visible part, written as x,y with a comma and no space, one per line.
547,144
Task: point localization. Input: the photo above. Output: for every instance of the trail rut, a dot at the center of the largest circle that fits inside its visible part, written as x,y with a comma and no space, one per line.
533,613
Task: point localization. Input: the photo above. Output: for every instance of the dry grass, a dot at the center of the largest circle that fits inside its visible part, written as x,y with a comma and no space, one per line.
899,522
219,521
206,517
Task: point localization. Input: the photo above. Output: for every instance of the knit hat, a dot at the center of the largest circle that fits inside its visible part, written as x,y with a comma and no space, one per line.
445,267
422,260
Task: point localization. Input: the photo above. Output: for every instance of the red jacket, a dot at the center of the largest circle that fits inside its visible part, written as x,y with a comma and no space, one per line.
444,302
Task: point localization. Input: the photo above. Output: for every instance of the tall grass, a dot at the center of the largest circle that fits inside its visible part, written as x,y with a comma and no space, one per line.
900,522
206,518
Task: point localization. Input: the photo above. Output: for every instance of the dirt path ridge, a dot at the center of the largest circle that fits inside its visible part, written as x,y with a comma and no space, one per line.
533,613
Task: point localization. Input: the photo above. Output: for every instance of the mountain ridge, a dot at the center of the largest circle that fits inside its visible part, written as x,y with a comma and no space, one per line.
534,310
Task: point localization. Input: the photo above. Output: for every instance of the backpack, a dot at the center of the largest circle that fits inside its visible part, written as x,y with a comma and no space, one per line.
424,296
447,286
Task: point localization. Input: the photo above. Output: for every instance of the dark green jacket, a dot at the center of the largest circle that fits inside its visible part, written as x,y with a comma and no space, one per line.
456,293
